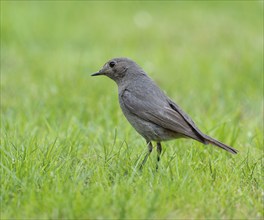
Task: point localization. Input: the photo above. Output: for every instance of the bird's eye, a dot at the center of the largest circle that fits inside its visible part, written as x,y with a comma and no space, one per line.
112,64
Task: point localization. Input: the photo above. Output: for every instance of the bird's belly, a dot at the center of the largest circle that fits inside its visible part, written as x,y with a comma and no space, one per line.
151,131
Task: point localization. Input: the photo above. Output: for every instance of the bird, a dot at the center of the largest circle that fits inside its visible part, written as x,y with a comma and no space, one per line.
149,110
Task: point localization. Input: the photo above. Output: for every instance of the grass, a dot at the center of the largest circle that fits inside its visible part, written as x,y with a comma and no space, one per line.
68,152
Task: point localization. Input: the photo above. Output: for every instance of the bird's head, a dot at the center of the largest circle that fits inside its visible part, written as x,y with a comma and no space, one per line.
118,68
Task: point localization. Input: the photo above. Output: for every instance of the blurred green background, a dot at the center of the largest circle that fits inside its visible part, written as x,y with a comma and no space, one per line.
63,134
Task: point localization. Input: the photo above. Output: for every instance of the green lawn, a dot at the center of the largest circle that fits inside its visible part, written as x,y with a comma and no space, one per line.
68,152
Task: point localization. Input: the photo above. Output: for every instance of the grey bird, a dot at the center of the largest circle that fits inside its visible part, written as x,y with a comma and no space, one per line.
154,115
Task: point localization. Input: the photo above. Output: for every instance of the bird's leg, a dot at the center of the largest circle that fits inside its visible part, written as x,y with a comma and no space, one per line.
148,153
159,149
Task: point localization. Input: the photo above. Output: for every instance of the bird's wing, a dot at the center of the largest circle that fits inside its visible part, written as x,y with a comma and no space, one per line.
177,109
156,108
207,139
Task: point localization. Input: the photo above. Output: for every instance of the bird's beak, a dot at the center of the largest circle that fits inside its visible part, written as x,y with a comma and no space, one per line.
100,72
96,74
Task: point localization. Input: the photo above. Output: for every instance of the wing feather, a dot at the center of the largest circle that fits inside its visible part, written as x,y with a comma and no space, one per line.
159,111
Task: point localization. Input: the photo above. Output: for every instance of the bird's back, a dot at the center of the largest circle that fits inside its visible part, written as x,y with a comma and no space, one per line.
149,111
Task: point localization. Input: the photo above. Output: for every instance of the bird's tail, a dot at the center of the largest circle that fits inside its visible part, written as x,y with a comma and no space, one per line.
217,143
